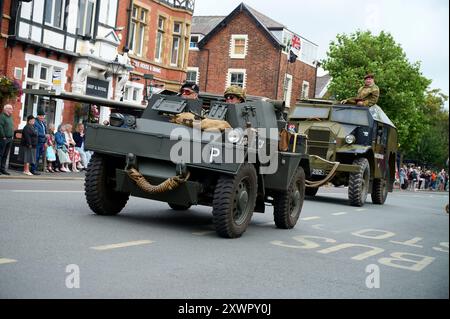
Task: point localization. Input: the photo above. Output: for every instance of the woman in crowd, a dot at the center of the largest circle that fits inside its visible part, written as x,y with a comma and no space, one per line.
29,142
402,175
74,155
78,137
62,149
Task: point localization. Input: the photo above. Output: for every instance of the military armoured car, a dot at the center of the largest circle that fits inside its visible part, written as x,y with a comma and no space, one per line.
348,146
196,152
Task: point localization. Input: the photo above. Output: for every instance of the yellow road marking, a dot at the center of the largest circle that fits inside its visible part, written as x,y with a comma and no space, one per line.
122,245
310,218
7,261
203,233
339,214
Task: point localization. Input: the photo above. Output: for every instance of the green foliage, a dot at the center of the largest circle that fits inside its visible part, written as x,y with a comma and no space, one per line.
402,85
9,89
433,145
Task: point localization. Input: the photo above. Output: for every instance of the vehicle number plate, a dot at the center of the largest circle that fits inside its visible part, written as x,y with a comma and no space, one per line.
320,172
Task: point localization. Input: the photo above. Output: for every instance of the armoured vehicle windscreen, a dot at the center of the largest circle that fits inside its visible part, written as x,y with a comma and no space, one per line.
350,116
310,112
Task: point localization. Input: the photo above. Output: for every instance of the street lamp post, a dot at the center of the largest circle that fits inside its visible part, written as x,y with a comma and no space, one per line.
148,77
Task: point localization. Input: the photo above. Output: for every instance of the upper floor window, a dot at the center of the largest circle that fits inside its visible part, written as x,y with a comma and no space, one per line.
108,12
137,30
54,13
161,23
192,75
177,45
195,39
237,77
175,51
239,45
85,17
160,39
177,28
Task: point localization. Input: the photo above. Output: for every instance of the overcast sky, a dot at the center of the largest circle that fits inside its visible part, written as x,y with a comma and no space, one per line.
421,27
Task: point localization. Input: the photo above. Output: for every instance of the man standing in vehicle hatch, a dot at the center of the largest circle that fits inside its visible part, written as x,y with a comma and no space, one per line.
368,95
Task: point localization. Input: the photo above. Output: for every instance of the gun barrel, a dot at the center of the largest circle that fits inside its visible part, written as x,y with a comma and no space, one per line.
69,96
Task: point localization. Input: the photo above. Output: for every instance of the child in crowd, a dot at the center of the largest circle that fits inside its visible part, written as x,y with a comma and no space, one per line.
51,151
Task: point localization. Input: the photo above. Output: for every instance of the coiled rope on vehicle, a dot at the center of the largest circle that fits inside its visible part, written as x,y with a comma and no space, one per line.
168,185
331,174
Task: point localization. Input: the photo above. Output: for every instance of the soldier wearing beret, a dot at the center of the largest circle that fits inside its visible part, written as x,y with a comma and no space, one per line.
189,91
368,95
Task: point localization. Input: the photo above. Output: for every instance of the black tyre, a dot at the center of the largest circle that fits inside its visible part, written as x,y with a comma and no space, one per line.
179,207
358,187
99,188
311,191
380,189
287,206
234,202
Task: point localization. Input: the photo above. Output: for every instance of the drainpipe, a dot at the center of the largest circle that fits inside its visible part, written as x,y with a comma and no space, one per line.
13,13
1,13
315,78
278,76
127,41
207,70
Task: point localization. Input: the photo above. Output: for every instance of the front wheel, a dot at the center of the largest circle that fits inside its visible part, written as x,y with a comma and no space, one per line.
379,191
287,205
234,202
358,186
99,188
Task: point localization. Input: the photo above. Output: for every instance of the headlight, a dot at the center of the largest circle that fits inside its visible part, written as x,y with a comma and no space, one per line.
130,121
350,139
116,119
235,136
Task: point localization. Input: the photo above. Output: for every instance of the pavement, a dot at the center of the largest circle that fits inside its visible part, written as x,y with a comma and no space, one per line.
17,174
53,246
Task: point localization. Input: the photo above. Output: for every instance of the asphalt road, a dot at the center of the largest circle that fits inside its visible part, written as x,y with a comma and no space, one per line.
48,236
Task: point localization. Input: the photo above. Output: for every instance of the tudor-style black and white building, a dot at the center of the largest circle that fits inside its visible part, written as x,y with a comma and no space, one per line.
80,38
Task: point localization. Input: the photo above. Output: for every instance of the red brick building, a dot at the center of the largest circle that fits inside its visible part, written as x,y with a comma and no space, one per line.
101,48
157,43
249,49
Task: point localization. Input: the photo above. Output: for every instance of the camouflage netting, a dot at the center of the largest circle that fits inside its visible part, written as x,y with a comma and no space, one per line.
206,124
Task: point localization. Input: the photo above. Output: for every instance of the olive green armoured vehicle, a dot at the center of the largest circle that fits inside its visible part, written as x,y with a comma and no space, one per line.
172,151
348,146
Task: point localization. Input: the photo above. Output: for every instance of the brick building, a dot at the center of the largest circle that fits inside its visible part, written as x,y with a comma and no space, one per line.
249,49
101,48
157,41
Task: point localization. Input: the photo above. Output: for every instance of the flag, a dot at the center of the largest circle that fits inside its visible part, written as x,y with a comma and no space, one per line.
294,52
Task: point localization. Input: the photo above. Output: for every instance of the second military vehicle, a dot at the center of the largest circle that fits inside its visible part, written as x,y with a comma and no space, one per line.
348,146
196,152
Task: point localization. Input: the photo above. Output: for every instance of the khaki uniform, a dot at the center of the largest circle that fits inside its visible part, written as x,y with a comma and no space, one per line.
369,95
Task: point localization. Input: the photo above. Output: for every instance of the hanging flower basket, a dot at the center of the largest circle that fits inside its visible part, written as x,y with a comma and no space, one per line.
9,89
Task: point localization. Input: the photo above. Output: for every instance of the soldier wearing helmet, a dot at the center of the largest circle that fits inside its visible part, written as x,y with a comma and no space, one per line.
234,95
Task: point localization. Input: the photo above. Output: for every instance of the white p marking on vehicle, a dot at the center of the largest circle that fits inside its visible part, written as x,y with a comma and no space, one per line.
215,152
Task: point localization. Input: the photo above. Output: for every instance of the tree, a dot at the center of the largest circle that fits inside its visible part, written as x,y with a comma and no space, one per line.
402,85
432,148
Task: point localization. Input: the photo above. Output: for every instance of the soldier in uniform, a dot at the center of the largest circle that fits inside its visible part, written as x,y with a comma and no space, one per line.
368,95
234,95
189,91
